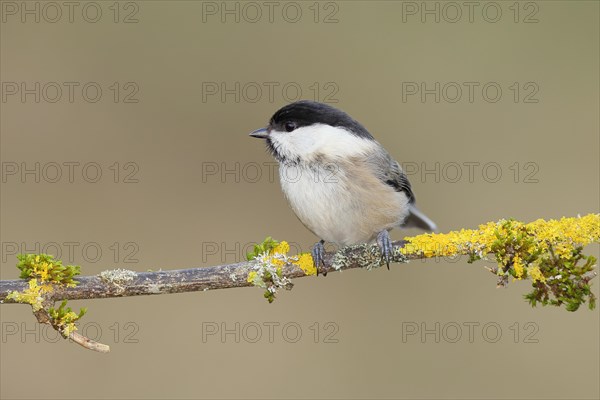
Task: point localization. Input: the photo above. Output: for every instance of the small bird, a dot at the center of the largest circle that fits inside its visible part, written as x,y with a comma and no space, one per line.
341,183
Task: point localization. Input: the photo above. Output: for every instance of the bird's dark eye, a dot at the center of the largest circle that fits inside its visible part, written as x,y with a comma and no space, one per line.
289,126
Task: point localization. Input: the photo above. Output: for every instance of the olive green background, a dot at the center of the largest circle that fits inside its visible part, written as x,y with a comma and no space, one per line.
175,213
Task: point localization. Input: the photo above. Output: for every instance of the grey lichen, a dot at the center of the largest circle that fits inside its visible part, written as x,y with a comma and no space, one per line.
398,257
118,277
366,255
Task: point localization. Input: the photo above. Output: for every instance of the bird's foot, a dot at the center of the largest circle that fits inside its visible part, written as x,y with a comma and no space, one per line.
318,253
385,246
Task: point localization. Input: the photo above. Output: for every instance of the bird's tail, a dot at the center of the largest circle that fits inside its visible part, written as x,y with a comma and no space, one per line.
416,219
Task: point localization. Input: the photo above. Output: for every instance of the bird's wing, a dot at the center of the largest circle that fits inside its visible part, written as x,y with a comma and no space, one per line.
389,171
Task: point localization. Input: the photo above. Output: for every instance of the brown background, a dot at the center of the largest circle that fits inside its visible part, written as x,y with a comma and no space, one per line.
171,215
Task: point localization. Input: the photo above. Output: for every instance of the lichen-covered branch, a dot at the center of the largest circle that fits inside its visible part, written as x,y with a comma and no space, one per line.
549,253
122,283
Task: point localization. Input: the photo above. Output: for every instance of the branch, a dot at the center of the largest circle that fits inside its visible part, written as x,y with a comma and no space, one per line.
549,253
124,283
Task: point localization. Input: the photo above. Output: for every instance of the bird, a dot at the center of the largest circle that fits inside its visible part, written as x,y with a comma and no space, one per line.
340,182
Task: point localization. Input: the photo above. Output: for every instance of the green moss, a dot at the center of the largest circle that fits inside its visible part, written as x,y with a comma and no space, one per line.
556,279
64,318
566,281
265,247
47,269
44,273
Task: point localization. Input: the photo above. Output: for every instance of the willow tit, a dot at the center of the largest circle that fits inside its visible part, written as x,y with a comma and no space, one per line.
341,183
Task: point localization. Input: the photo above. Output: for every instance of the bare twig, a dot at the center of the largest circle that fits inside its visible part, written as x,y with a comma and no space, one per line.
43,317
89,343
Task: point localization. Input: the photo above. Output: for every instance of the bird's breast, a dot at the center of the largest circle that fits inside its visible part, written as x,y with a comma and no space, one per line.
341,203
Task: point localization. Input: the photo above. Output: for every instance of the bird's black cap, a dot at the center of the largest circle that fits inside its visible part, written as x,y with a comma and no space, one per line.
307,112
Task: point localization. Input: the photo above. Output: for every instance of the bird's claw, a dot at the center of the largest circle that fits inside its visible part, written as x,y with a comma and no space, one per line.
385,246
318,253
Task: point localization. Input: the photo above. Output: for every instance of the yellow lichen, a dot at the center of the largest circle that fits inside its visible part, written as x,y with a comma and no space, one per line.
251,276
544,251
306,264
282,248
567,233
549,253
518,266
536,275
279,252
563,235
32,295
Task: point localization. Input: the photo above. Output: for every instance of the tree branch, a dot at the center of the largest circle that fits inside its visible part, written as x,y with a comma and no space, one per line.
549,253
122,283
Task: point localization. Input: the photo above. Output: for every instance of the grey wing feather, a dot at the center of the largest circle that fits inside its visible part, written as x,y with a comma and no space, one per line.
389,171
397,179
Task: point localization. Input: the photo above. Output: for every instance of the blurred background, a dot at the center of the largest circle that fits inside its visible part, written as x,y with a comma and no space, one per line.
124,144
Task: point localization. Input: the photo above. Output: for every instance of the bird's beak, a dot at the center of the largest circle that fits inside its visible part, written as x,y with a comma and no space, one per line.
261,133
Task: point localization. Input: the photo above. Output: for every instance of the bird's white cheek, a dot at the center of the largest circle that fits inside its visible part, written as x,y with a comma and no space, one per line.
294,143
310,143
